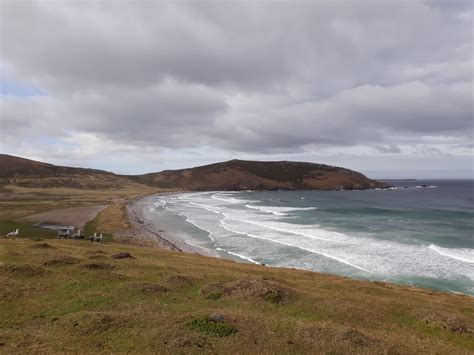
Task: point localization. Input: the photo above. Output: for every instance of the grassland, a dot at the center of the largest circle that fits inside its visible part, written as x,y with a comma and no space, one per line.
74,296
64,295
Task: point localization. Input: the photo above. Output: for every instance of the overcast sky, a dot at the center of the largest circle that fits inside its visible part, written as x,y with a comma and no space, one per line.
382,87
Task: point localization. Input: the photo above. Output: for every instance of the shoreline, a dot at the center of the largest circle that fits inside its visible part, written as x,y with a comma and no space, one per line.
144,233
139,216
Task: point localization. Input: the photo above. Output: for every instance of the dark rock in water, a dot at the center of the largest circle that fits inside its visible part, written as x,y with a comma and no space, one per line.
216,318
122,255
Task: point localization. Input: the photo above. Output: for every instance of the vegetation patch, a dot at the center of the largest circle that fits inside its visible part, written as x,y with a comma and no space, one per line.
180,281
148,287
61,260
98,257
208,327
122,255
86,322
186,342
449,322
273,296
267,290
25,270
99,266
41,246
354,337
214,295
213,291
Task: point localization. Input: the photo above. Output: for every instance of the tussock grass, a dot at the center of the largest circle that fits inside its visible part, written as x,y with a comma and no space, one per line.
159,301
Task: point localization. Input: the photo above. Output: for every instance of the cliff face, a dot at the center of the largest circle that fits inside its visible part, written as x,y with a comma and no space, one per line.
231,175
254,175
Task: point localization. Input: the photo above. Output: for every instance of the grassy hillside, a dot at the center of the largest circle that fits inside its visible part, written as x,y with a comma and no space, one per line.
74,296
255,175
27,173
230,175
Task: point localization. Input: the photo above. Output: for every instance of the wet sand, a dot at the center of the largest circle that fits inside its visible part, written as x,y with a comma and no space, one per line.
147,234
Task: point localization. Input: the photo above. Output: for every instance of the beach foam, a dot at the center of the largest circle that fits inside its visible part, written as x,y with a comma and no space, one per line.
249,231
279,211
465,255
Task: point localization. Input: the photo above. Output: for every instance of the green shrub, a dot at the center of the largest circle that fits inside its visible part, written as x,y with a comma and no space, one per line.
214,295
273,297
208,327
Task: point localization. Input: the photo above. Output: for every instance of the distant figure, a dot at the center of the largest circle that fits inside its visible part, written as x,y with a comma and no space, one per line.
14,234
99,238
77,235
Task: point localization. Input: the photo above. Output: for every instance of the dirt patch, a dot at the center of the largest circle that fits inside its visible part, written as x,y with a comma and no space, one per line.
267,290
99,266
61,260
42,246
25,270
148,287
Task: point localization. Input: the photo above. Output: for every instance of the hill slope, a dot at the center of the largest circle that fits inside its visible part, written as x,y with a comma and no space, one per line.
230,175
74,296
29,173
259,175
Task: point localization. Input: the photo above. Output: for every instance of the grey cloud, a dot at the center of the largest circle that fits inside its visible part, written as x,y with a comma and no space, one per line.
245,77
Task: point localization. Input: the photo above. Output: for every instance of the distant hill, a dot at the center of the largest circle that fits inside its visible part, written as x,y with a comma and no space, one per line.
29,173
230,175
260,175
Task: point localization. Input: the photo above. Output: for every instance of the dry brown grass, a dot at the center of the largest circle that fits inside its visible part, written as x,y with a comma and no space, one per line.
114,217
147,303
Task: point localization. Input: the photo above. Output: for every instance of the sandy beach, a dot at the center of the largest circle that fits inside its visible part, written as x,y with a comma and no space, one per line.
147,234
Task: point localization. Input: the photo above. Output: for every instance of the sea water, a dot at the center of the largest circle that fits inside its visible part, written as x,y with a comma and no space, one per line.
419,233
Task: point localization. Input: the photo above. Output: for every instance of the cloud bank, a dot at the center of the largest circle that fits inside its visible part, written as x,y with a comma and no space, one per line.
209,80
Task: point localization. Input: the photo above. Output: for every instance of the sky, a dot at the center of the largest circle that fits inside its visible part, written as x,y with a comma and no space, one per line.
381,87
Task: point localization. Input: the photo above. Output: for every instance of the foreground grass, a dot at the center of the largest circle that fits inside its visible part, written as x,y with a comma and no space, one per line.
73,296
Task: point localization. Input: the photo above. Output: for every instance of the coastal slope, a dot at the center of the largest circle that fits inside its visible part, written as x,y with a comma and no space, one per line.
238,175
66,296
230,175
17,171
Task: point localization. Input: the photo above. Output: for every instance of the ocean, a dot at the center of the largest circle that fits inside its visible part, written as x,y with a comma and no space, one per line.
419,233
